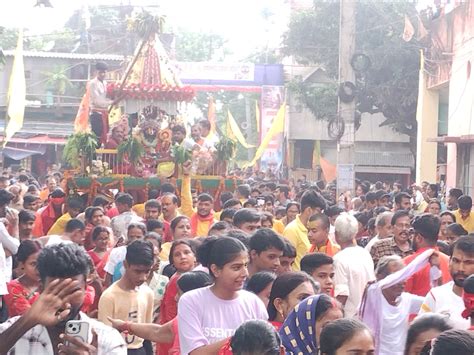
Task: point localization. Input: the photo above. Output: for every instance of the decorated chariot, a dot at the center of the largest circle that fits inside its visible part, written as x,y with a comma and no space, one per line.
140,153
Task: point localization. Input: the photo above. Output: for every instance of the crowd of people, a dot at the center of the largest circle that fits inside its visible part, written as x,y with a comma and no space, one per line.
269,268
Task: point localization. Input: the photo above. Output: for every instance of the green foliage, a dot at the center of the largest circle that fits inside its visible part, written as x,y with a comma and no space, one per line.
225,149
8,38
199,46
145,25
389,86
79,145
58,80
131,148
321,99
58,41
107,32
180,154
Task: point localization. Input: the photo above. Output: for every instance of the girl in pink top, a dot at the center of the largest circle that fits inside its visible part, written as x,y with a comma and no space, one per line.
208,316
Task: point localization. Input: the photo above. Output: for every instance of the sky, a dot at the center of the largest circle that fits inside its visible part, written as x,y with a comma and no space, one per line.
238,21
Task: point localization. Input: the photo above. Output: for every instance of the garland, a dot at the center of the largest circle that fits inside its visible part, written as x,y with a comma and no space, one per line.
151,92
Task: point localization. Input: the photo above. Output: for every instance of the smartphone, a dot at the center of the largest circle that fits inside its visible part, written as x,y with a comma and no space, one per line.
78,329
260,202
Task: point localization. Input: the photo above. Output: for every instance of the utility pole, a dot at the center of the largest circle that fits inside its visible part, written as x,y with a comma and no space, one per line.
345,146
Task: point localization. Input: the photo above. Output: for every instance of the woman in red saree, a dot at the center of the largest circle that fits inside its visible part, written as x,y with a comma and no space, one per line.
183,258
23,291
100,253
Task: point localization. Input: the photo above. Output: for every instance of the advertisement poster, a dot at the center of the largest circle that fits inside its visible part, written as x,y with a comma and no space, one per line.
272,99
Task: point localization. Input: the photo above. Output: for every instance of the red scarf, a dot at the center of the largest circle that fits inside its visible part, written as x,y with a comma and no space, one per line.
196,218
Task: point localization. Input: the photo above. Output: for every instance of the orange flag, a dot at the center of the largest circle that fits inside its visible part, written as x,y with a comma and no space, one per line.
81,123
408,31
211,114
329,170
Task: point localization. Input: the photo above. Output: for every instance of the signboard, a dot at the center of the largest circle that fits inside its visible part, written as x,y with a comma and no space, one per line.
216,71
345,177
272,99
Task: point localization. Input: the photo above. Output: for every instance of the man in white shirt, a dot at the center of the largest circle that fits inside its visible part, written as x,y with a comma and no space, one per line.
383,224
385,307
447,299
353,266
63,271
99,103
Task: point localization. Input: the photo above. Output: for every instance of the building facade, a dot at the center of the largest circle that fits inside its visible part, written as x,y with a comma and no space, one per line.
446,101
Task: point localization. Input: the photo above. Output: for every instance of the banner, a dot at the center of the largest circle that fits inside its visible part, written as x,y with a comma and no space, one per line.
277,128
16,96
273,98
216,71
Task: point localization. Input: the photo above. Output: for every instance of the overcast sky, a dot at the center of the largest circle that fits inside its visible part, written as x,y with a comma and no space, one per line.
238,20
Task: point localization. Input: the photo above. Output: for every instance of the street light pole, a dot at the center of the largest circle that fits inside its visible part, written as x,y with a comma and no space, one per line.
346,110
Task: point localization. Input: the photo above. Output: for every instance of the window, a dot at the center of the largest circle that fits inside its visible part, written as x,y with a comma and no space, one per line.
303,158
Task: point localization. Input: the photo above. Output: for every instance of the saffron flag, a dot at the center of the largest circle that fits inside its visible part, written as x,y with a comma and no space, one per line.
234,133
16,96
278,126
329,170
422,32
81,123
211,114
408,31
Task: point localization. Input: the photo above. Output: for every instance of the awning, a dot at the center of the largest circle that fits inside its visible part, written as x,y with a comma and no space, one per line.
402,159
21,151
382,170
467,138
39,139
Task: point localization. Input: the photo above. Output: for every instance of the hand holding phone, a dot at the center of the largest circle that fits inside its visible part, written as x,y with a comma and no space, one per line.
78,329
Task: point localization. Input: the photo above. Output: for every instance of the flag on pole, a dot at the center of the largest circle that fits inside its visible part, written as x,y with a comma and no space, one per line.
408,31
257,115
211,114
81,123
16,96
278,126
422,32
234,133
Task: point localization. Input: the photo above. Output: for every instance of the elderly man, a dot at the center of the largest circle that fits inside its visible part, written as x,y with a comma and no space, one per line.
386,308
116,137
353,266
383,225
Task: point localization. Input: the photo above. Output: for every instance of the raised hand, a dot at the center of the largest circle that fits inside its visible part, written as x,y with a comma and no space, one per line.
187,167
52,306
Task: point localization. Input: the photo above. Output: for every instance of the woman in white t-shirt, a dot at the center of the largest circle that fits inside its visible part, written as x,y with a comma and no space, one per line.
208,316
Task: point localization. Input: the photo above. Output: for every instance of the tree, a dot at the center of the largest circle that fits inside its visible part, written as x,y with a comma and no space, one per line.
107,32
390,85
58,81
199,46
